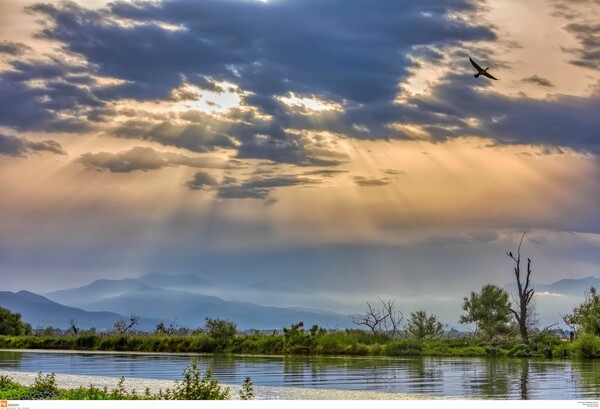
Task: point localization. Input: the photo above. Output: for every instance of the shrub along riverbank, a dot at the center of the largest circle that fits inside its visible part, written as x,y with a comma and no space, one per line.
296,340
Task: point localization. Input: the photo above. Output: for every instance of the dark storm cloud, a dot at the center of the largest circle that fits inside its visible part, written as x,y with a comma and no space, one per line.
201,180
588,35
352,53
563,121
292,149
45,95
573,9
347,51
13,48
145,159
200,137
16,146
20,107
535,80
258,188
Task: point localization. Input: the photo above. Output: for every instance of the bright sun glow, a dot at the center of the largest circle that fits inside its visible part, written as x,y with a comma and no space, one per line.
310,103
221,98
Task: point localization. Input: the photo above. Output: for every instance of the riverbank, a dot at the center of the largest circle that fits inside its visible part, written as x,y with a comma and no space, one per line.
341,343
260,392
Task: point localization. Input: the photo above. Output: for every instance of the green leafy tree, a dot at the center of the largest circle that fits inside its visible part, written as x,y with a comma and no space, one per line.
11,324
423,326
586,316
221,331
489,309
296,338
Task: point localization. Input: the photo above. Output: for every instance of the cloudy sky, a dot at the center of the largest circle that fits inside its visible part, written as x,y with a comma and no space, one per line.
341,147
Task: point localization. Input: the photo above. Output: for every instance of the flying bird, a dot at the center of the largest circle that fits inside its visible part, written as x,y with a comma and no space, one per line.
481,71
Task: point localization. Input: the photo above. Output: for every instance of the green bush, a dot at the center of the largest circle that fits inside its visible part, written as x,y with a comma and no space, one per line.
436,347
471,350
87,342
403,347
11,324
247,390
520,351
12,390
563,350
492,351
221,331
357,349
588,346
196,387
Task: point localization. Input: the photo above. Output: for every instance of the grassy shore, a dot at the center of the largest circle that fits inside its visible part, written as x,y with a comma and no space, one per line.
350,342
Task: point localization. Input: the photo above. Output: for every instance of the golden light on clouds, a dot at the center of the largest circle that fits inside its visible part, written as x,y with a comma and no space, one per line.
177,124
533,39
309,104
420,185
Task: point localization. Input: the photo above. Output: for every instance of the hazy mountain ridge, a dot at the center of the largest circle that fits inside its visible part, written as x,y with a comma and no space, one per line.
41,312
271,295
566,286
105,288
145,296
101,303
191,309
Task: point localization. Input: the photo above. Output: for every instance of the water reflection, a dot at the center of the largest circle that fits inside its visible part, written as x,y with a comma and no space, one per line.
588,380
436,377
10,360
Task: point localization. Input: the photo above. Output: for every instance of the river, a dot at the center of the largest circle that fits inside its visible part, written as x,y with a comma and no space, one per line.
429,377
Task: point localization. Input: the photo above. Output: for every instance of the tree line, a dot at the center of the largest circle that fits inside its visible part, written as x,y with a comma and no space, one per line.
490,309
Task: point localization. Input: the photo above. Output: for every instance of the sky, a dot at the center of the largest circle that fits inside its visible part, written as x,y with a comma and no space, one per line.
343,148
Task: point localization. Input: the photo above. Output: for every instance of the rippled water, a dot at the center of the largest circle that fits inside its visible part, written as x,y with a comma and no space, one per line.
436,377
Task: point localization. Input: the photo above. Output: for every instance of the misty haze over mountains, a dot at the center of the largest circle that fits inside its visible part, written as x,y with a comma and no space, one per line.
103,293
186,300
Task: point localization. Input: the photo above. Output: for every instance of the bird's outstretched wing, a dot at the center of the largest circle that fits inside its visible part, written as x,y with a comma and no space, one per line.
489,75
477,67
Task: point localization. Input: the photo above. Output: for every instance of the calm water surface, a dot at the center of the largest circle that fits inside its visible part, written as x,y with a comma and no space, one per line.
436,377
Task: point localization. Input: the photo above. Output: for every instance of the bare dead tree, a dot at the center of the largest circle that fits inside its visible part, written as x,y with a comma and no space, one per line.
570,322
525,312
393,317
73,326
122,327
372,318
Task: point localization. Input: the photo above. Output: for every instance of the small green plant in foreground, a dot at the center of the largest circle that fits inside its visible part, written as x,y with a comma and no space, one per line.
194,386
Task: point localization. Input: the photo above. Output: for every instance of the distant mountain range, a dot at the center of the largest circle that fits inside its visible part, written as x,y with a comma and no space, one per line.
567,286
256,293
172,299
104,288
186,300
41,312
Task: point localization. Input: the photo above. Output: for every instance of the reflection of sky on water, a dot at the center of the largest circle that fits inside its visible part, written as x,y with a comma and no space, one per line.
459,377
